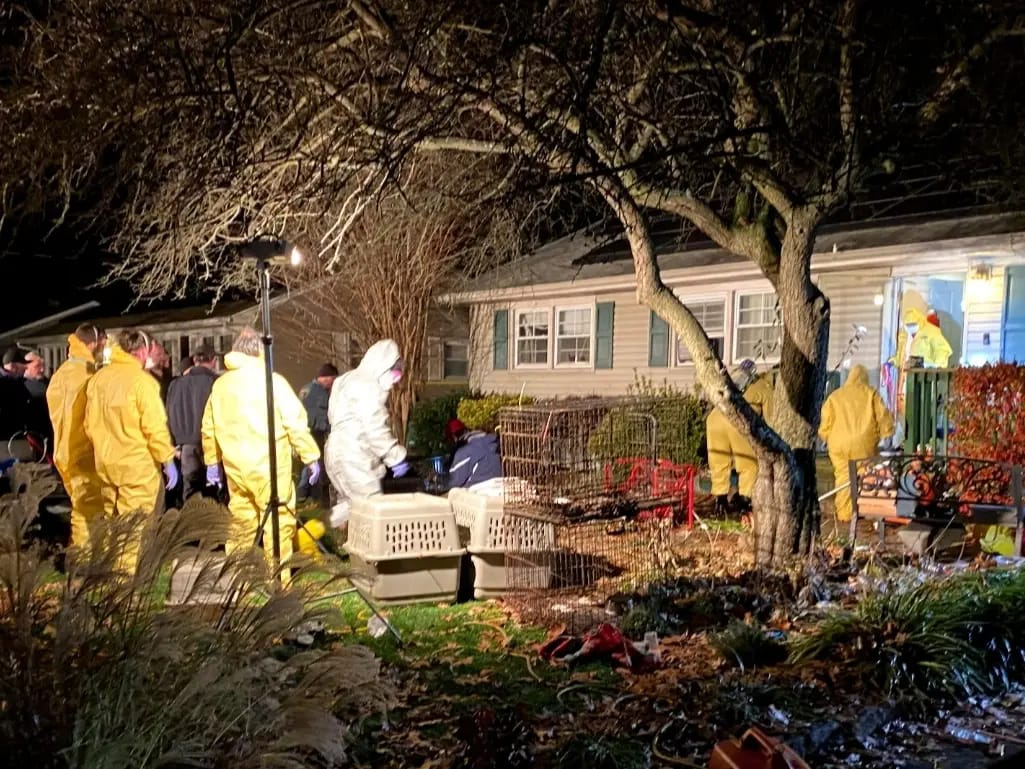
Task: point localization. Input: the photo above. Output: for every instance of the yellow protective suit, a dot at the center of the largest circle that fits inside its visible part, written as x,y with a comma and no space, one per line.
235,434
727,448
854,421
72,450
928,343
127,424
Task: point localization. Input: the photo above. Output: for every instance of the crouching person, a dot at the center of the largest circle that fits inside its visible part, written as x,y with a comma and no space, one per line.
235,437
361,443
477,458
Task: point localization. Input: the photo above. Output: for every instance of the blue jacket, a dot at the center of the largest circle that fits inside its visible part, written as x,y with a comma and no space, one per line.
475,461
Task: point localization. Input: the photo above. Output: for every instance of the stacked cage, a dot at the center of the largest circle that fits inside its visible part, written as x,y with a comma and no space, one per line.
589,477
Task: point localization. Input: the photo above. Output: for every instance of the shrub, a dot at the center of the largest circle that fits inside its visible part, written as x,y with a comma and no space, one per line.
941,638
747,644
679,417
482,413
987,410
427,420
99,674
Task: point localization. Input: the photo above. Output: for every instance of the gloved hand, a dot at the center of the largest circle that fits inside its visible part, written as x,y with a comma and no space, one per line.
173,476
213,476
400,469
314,470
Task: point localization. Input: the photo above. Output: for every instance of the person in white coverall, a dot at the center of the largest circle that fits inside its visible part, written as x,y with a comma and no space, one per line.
361,443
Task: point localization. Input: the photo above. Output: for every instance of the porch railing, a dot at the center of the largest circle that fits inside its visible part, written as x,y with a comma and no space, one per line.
927,393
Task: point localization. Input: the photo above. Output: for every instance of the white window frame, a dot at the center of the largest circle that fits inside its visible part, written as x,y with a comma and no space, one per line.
727,324
735,327
555,335
445,343
516,338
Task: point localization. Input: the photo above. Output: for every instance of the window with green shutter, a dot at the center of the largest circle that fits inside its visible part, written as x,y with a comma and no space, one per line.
658,342
604,324
500,343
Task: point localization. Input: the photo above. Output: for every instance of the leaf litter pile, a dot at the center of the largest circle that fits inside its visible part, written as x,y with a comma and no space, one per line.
868,667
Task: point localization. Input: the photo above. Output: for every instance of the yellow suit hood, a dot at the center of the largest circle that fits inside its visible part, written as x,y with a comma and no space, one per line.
126,422
65,400
913,315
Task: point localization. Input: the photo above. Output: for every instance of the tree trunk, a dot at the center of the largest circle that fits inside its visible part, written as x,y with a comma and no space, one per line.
787,504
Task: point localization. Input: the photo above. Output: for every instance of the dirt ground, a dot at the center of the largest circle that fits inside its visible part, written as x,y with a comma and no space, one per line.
487,700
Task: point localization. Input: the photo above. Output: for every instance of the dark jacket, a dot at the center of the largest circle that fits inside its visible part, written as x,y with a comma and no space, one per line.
315,399
15,405
186,399
38,420
476,460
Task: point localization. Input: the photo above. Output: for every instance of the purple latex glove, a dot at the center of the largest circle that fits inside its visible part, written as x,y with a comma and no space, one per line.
400,469
314,470
213,476
173,476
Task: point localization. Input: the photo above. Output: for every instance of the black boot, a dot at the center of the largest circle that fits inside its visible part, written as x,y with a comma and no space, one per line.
741,505
722,505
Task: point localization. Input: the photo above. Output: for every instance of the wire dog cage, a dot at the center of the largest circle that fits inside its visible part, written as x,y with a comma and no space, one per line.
594,498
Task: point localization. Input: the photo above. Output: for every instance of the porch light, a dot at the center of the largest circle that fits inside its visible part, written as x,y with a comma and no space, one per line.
980,287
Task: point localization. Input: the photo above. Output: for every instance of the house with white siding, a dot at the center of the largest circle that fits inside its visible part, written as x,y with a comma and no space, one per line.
565,320
298,351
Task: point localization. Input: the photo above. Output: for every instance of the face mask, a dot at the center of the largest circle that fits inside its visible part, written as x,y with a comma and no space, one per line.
149,364
912,328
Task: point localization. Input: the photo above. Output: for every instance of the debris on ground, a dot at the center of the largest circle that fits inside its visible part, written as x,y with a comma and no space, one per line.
604,644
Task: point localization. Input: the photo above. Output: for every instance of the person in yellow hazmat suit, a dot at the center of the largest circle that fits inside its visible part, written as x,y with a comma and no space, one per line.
127,425
921,339
72,451
728,448
235,437
854,421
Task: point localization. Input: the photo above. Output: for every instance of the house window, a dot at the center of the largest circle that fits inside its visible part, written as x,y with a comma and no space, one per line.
573,336
225,343
759,332
532,328
711,315
184,349
456,363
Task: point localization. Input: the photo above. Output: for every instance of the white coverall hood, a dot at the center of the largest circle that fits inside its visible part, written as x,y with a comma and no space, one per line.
378,361
361,444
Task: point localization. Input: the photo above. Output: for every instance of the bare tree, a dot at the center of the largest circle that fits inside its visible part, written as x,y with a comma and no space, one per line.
408,246
199,124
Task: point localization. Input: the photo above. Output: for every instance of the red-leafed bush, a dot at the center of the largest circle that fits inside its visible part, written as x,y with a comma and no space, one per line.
987,410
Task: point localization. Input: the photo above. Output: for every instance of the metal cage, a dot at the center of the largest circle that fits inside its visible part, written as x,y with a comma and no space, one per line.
590,490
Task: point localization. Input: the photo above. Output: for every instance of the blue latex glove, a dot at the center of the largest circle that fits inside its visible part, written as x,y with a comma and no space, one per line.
213,476
400,469
314,476
173,476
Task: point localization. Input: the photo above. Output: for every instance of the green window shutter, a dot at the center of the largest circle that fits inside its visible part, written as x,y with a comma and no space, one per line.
658,342
606,312
501,340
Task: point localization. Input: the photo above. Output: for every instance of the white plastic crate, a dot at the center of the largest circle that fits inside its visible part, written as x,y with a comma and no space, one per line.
405,548
493,534
198,580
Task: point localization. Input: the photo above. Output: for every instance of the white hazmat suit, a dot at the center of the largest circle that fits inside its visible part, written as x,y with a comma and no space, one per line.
361,444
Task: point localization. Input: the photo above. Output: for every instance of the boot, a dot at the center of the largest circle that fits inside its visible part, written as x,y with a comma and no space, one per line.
741,505
722,505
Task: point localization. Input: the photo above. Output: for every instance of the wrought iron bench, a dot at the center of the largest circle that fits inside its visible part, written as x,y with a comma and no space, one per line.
934,490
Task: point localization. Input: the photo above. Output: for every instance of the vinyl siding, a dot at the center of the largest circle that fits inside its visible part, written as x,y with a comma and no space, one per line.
984,315
630,348
852,303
